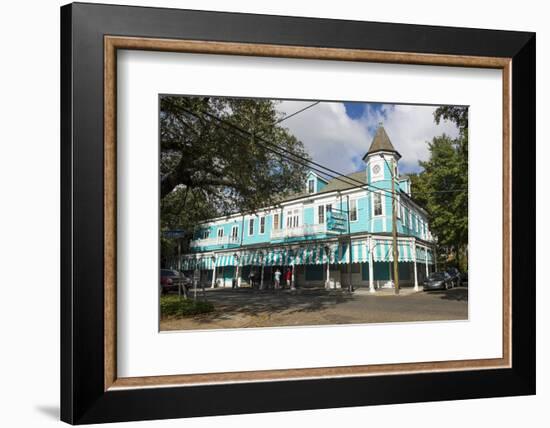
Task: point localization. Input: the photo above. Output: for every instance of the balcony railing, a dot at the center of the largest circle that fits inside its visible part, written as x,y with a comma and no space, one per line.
218,240
296,232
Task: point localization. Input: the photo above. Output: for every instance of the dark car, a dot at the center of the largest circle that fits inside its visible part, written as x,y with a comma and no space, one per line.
464,278
455,276
438,281
171,280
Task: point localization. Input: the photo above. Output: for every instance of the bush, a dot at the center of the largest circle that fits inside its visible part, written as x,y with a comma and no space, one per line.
178,306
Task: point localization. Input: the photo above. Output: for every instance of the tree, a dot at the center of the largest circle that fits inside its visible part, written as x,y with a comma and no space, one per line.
217,157
442,186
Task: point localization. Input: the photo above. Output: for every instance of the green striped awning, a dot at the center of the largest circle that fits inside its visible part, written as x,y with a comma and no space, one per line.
383,251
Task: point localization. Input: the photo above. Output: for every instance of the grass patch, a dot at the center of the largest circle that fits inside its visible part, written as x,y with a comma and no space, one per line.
173,305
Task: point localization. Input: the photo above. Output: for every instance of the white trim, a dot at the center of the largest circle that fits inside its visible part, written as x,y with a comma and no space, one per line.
220,229
235,227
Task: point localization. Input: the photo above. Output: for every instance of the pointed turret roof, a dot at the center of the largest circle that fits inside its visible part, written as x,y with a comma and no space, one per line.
381,143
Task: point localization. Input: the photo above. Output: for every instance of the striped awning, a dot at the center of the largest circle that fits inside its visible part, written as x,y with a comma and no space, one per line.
422,253
383,251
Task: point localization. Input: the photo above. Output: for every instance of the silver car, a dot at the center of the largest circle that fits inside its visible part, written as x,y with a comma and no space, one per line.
438,281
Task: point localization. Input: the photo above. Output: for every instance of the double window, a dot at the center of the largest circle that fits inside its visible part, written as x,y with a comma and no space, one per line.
322,213
220,233
235,233
293,218
262,225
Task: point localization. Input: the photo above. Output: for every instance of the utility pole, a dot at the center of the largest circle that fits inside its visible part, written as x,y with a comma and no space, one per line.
394,231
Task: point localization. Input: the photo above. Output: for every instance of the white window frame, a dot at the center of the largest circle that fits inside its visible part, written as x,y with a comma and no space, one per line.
218,234
235,231
206,233
251,223
275,220
356,211
373,205
293,218
321,209
312,182
261,226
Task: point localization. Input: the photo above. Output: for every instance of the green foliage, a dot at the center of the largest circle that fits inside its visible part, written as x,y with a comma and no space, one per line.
210,168
176,306
442,187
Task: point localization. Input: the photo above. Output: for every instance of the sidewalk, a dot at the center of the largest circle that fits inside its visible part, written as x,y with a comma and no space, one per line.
403,291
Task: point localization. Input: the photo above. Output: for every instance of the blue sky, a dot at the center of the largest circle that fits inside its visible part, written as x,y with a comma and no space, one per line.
337,135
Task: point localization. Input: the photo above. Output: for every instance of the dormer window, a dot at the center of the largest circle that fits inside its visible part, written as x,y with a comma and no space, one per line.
311,186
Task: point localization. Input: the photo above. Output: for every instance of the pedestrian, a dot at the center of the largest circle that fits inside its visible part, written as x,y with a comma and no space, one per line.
288,277
277,278
252,278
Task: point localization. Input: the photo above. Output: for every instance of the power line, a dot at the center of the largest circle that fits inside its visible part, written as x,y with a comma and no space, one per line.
341,177
295,113
350,181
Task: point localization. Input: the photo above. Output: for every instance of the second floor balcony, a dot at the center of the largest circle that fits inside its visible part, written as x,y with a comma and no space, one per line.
216,241
299,231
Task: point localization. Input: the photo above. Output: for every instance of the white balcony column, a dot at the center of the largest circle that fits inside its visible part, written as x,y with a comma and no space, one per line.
214,275
426,258
293,278
414,264
371,266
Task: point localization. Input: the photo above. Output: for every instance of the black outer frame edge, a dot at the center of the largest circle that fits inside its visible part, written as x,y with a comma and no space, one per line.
66,306
82,397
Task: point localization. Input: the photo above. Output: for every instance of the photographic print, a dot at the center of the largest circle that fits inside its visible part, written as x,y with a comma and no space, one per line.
281,212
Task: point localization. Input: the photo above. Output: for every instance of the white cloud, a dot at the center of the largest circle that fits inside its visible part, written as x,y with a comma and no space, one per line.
335,140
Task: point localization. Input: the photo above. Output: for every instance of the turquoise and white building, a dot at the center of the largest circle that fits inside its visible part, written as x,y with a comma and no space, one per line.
333,232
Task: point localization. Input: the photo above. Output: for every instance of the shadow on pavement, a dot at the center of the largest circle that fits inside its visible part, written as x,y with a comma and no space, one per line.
457,294
269,302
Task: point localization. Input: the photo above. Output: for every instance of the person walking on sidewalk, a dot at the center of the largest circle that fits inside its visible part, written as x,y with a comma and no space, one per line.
277,278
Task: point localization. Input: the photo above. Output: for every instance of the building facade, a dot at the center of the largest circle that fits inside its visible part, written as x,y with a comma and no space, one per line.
335,233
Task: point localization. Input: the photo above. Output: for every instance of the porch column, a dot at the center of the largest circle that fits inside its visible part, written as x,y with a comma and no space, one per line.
327,283
414,263
371,267
293,278
262,277
213,258
426,259
238,282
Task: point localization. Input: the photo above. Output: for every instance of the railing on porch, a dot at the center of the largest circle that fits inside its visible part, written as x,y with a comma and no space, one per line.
295,232
218,240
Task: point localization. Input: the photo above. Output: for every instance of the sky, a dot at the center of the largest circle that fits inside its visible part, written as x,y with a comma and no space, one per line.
338,134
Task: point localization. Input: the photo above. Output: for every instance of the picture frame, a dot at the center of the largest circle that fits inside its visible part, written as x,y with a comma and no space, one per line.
91,391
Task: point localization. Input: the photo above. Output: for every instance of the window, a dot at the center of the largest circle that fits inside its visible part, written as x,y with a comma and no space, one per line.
353,210
220,233
321,214
329,208
206,234
251,227
275,221
410,220
311,186
377,204
234,233
262,225
293,218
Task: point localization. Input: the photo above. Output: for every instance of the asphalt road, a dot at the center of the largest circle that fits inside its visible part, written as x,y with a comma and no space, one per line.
243,308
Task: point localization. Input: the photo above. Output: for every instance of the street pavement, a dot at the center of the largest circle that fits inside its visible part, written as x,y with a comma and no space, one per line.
241,308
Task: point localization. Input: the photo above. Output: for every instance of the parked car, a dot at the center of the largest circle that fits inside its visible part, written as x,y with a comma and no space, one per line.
438,281
170,280
455,276
464,278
